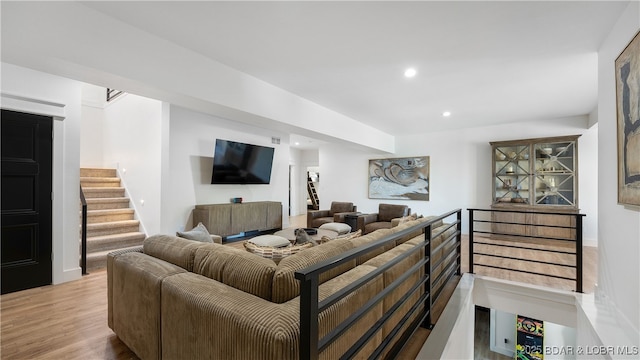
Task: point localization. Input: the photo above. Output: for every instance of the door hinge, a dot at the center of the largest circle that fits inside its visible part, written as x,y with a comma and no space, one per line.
52,196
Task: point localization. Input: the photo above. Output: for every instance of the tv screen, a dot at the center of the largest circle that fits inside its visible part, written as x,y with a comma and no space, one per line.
239,163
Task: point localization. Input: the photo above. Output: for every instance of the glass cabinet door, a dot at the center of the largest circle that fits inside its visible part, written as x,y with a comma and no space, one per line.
512,174
554,173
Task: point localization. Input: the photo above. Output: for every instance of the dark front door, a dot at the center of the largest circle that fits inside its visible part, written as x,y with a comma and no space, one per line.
26,200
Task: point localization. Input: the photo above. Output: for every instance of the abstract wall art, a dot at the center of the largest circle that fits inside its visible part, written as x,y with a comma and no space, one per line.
627,70
404,178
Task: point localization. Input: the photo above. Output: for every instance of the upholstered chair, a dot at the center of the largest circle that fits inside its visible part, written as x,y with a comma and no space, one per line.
385,218
336,213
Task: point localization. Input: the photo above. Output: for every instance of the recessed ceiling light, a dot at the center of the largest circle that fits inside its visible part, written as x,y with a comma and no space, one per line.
446,113
410,72
297,143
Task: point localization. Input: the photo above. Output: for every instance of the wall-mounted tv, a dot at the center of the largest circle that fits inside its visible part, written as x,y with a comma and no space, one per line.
239,163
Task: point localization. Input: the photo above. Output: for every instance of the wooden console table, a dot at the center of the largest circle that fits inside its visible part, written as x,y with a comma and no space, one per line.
231,219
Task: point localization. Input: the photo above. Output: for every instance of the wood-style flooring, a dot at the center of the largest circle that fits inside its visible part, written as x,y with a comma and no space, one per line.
69,321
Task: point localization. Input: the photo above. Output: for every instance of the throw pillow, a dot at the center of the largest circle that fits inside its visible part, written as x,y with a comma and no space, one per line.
340,228
198,233
270,240
348,236
275,254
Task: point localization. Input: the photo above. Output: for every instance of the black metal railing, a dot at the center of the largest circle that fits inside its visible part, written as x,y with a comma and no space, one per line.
524,233
112,94
83,234
420,310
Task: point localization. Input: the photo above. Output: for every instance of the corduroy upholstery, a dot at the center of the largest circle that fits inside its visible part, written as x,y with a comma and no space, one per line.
136,289
241,270
208,301
175,250
110,258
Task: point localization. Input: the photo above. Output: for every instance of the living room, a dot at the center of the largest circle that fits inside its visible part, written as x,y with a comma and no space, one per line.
173,147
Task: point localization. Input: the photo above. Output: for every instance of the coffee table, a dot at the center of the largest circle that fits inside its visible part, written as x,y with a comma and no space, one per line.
291,236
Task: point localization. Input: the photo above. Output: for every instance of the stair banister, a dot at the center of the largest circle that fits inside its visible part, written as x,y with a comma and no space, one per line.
83,257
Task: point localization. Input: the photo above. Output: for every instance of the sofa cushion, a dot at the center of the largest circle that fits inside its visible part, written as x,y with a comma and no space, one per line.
198,233
270,240
236,268
371,227
173,249
371,237
340,228
286,286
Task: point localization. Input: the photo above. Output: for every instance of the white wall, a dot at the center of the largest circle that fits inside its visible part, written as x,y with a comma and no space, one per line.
619,226
460,168
66,158
91,128
132,143
192,145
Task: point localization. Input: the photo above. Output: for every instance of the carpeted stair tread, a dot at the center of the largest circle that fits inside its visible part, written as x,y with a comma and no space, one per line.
98,260
109,215
112,227
103,192
107,203
114,241
95,172
99,182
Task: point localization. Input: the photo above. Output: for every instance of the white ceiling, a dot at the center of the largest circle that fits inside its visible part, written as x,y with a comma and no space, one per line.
486,62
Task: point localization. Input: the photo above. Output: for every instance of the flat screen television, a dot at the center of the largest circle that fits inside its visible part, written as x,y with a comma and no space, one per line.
239,163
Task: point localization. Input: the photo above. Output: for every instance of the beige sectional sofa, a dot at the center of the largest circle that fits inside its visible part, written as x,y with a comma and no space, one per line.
180,299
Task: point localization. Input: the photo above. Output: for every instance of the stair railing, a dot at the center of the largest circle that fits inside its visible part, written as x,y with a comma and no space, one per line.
83,236
574,237
113,93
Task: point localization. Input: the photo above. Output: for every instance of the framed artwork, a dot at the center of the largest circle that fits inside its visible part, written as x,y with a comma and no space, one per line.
627,70
404,178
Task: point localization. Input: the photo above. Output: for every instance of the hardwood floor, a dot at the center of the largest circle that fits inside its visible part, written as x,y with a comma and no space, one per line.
66,321
69,321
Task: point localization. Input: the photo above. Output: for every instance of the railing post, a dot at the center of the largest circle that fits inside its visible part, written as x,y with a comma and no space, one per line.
459,241
578,253
427,267
83,235
309,318
471,241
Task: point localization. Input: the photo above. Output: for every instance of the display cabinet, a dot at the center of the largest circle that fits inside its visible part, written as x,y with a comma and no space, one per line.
535,175
538,172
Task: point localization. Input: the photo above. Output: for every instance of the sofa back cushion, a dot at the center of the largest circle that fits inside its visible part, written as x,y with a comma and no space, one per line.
371,237
172,249
287,287
236,268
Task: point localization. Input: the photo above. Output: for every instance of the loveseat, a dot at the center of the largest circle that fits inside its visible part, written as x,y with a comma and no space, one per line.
174,298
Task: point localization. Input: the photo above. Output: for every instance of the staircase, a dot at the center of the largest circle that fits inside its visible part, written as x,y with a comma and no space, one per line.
110,221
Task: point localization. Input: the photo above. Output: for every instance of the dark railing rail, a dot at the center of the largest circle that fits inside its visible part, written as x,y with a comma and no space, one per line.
83,232
310,306
112,94
575,229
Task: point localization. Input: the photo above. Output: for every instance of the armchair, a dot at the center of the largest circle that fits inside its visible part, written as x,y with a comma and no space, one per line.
336,213
385,218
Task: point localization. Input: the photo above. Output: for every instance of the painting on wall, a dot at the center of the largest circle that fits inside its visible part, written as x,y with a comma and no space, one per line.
627,70
404,178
